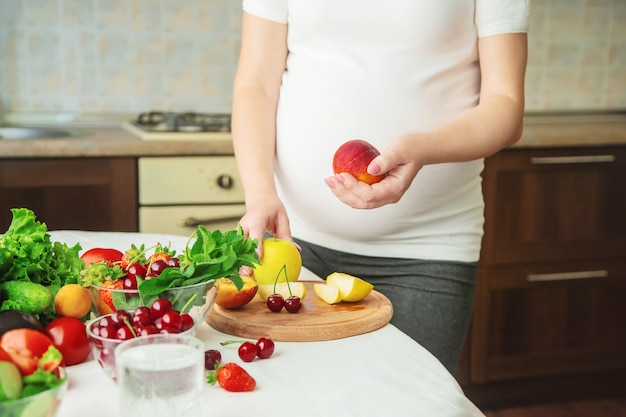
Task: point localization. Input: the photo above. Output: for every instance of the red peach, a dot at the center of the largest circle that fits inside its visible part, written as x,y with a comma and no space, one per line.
228,296
353,157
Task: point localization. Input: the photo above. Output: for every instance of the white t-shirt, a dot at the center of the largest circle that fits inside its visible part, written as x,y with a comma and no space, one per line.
373,70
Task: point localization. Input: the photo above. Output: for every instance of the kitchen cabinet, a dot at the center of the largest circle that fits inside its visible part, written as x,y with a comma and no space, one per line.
551,286
98,194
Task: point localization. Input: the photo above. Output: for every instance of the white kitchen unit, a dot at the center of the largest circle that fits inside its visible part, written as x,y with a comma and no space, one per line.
178,193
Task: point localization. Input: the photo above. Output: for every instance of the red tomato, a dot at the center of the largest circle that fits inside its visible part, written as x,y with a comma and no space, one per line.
97,254
69,335
4,356
25,347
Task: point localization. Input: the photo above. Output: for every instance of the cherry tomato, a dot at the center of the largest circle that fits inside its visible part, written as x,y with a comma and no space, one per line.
69,336
25,347
98,254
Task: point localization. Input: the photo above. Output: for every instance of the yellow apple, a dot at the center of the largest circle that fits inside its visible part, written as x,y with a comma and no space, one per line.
228,296
352,288
328,293
280,261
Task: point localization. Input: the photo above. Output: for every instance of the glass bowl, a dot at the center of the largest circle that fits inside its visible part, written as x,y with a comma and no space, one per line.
103,349
43,404
196,299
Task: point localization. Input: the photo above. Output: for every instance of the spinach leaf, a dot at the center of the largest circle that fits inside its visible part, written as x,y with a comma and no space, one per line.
209,255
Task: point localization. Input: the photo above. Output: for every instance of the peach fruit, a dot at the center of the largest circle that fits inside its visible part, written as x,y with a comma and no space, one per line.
353,157
228,296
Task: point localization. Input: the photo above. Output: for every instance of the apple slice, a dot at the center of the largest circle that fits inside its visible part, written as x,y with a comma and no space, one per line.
297,288
330,294
352,289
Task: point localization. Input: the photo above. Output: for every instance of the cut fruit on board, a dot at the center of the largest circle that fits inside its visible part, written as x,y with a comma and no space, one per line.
328,293
352,289
316,320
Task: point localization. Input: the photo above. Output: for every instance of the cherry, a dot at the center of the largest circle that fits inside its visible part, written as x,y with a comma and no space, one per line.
264,348
147,330
124,333
211,358
136,270
120,318
105,321
141,320
107,331
173,262
293,304
143,310
186,322
157,267
129,283
171,320
247,351
159,307
275,302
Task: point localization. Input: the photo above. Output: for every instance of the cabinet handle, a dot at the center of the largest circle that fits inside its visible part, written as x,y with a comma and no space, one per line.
195,222
225,181
582,159
563,276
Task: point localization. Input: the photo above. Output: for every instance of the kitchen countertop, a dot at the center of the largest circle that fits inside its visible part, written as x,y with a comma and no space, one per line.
108,142
540,131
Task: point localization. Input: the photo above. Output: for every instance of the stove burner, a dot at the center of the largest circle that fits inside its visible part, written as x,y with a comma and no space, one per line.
184,122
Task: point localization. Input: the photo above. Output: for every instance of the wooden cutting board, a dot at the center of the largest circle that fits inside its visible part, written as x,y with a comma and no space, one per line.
315,321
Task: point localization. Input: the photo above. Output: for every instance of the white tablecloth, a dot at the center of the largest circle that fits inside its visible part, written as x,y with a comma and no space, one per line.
382,373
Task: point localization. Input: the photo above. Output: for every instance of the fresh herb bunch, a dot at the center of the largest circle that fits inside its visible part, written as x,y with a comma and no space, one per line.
212,255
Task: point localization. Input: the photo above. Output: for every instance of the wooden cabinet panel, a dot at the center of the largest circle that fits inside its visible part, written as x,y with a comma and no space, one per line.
554,205
535,328
552,274
74,194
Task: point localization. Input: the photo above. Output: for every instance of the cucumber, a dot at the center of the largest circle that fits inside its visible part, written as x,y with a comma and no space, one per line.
10,381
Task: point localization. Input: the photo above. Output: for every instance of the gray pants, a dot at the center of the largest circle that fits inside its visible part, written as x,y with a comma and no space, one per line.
432,300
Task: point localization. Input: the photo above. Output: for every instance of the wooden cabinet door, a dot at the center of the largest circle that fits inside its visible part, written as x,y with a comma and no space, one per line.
554,204
556,325
97,194
552,274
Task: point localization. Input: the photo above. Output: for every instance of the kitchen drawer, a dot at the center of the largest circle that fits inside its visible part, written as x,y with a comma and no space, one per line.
554,204
189,180
549,319
183,220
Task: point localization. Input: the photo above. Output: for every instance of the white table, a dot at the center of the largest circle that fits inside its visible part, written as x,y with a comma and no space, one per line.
382,373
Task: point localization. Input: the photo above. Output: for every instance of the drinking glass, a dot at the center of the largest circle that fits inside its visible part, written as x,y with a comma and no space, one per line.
160,375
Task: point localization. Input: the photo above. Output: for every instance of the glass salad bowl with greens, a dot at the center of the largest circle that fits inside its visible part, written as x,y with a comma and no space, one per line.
188,280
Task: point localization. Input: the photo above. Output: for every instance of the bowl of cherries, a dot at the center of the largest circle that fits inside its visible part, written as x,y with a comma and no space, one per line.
107,332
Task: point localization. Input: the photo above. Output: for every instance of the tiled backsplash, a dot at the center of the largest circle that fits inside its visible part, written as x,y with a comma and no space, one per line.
128,56
577,55
118,56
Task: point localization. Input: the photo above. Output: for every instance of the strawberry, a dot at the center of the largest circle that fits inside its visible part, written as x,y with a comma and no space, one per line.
161,253
232,377
105,298
133,255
